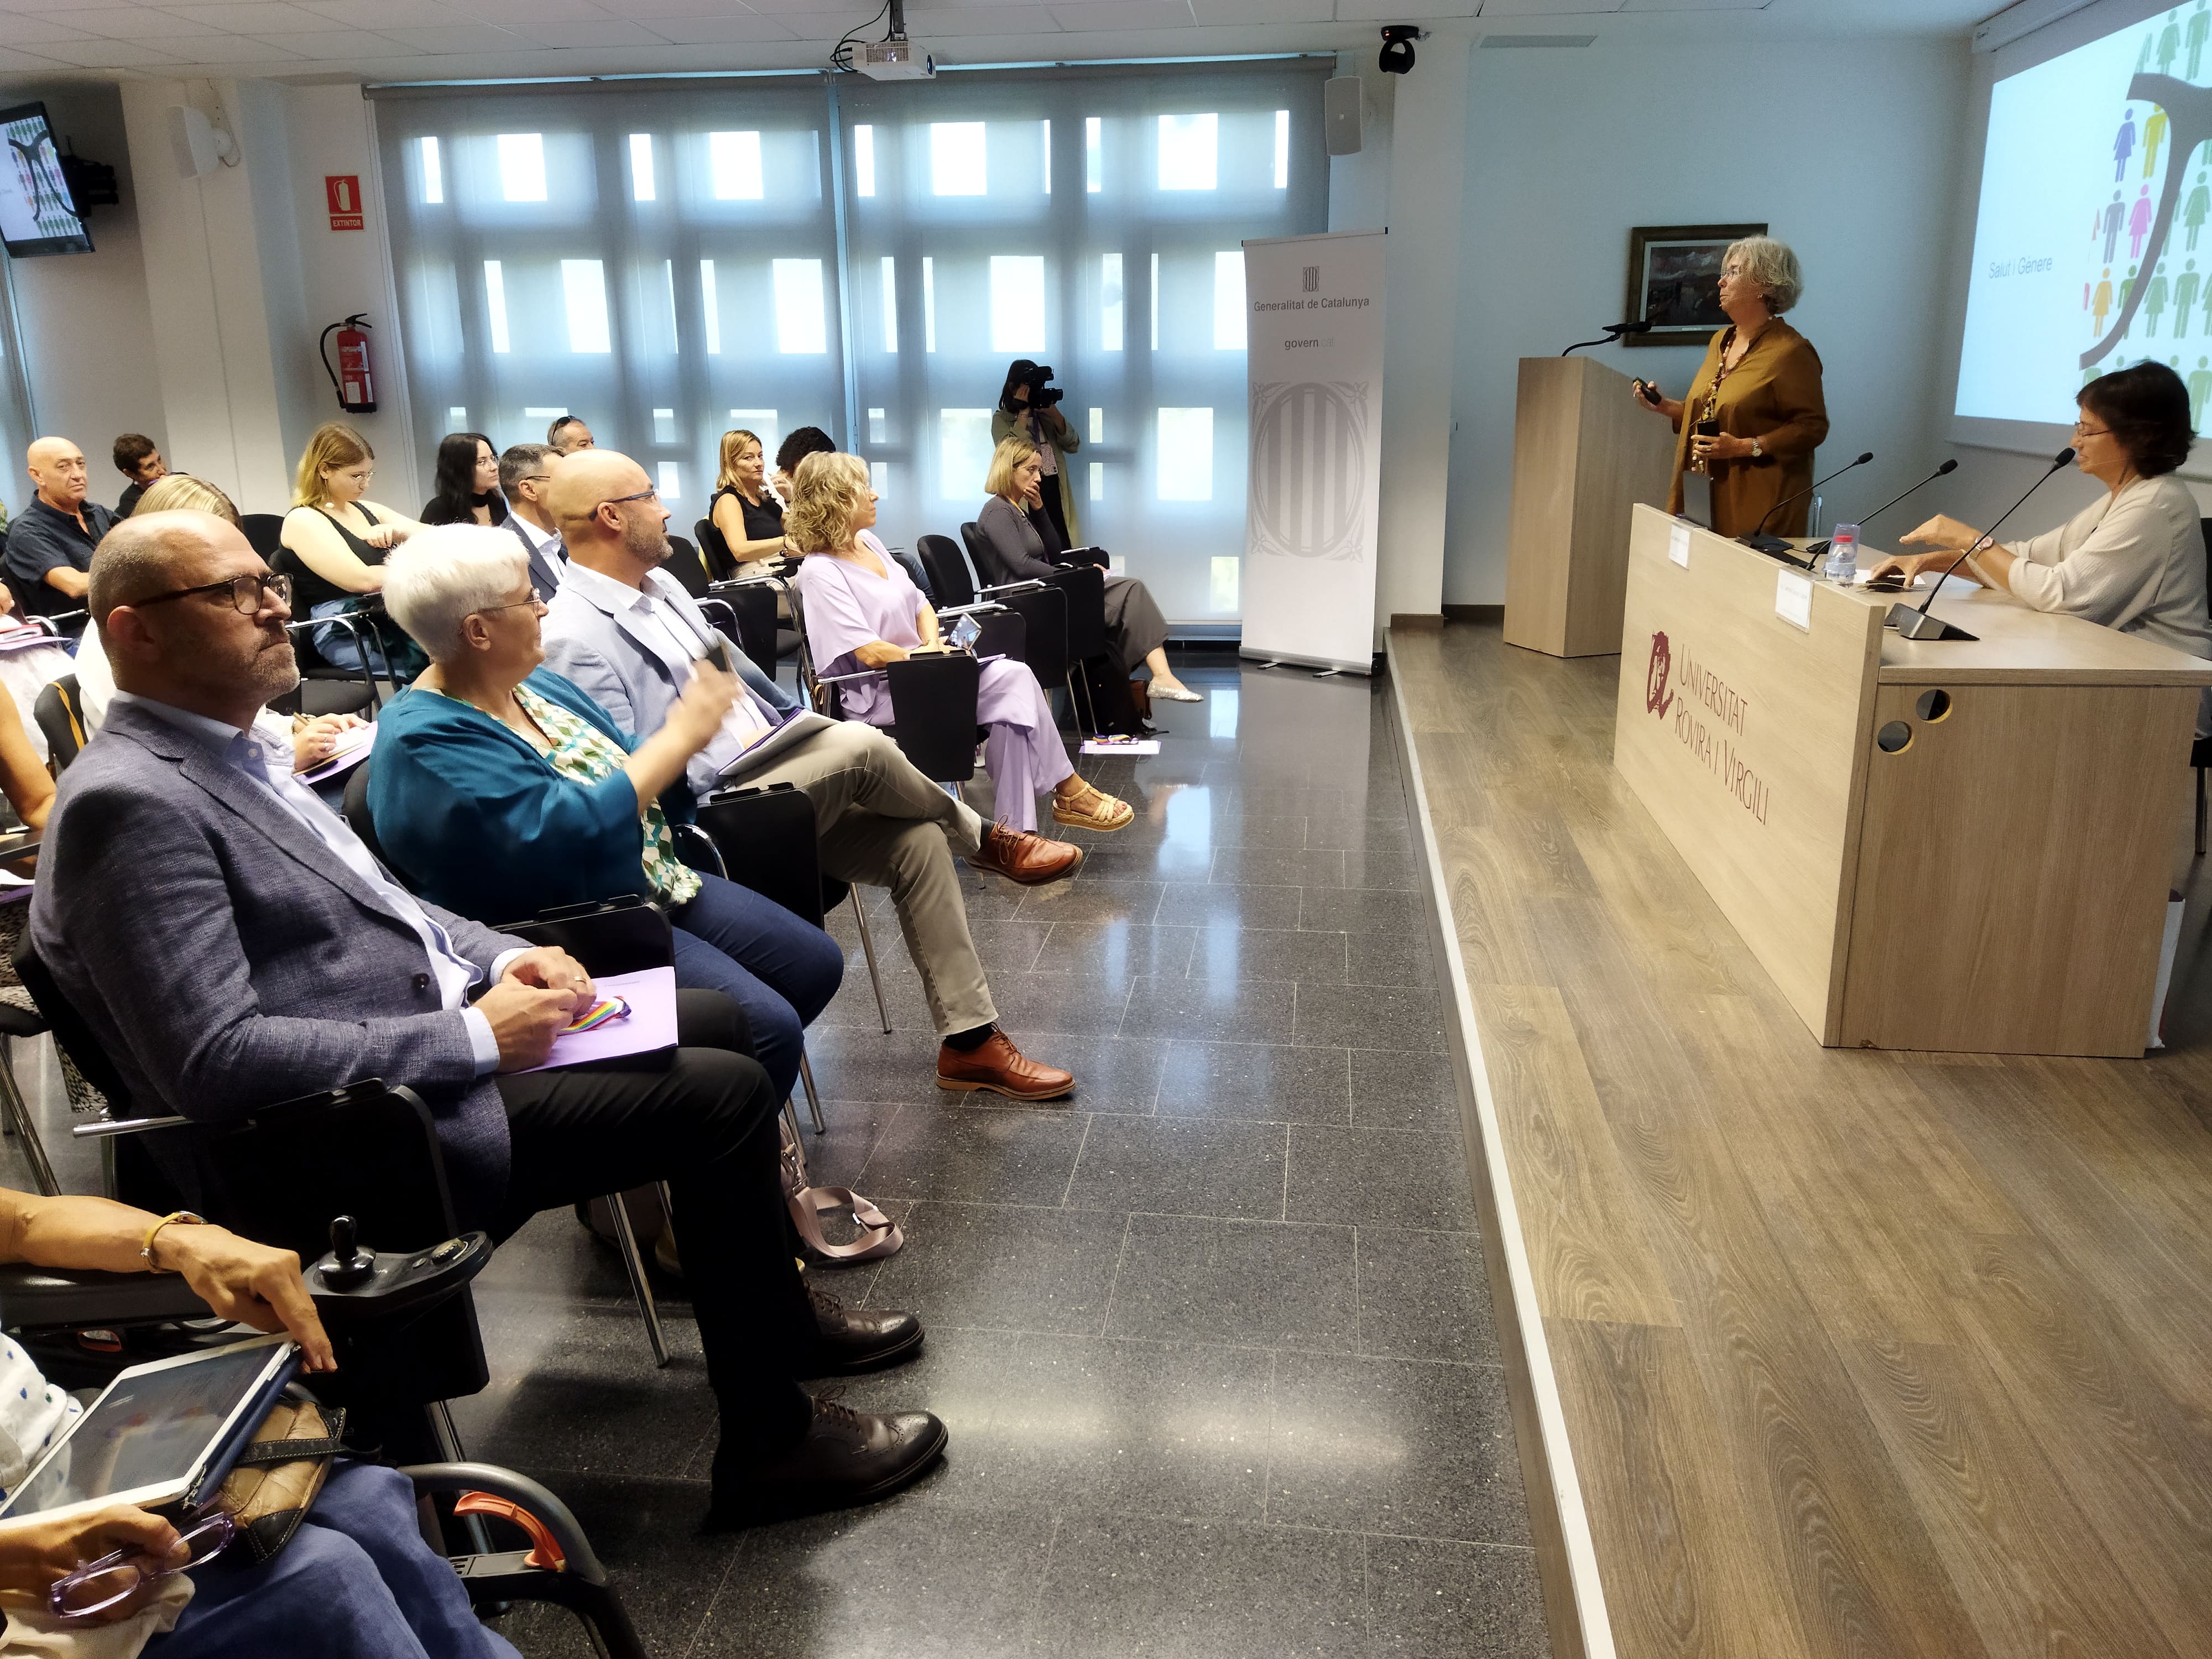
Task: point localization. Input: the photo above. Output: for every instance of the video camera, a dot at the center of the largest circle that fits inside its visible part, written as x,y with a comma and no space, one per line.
1043,395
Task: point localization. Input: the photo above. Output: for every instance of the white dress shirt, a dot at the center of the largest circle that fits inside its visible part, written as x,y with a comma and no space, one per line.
270,766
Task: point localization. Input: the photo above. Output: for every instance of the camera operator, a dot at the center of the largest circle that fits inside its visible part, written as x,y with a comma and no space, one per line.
1029,409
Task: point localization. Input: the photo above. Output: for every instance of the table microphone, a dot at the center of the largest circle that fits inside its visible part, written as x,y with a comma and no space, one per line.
1613,331
1773,546
1912,624
1948,467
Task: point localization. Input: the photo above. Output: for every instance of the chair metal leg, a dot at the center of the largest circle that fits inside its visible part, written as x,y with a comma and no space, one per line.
626,1240
868,949
15,1117
2200,812
813,1100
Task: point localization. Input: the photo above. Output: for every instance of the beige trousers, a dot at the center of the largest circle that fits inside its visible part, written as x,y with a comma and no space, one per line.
883,825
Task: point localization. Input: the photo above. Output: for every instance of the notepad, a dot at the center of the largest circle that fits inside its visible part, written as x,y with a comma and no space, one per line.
649,1030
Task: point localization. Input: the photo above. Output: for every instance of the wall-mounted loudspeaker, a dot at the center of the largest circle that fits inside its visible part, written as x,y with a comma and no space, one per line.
200,146
1343,105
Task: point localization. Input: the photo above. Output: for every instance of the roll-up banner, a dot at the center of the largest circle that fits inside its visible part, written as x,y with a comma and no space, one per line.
1315,351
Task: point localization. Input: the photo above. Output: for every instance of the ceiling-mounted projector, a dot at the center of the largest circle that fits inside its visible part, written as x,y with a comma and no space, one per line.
894,60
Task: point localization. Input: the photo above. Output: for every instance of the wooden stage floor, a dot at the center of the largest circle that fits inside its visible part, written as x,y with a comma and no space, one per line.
1863,1354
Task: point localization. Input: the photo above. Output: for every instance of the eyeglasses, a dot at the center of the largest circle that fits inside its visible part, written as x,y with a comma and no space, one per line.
245,592
536,598
2082,431
617,500
97,1586
533,477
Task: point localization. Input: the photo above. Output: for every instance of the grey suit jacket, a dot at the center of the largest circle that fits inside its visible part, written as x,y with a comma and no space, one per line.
227,961
544,568
601,652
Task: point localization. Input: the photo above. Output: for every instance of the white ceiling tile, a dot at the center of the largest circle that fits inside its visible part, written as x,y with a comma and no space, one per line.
1372,11
106,54
236,49
262,17
1697,5
464,37
645,11
532,11
741,28
957,21
39,31
337,45
132,23
947,5
1125,14
1213,12
385,14
1541,8
588,32
26,63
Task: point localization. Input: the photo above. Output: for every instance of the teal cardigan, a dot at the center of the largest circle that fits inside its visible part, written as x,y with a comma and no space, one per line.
483,824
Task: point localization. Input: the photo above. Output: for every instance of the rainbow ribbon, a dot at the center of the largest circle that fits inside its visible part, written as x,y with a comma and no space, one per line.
613,1008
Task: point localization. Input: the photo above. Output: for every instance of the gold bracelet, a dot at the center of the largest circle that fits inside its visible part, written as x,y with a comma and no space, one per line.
146,1246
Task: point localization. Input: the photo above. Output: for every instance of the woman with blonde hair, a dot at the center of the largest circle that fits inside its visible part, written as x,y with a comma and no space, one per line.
1755,412
334,543
863,612
746,512
1019,542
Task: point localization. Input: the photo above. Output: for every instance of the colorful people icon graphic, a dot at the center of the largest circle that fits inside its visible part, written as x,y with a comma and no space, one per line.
2195,210
2200,384
2116,216
2169,43
2142,58
2186,289
2123,145
2153,136
2128,287
2101,304
2155,297
2139,223
2200,26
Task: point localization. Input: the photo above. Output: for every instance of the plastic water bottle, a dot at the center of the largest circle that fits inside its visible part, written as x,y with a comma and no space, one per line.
1843,566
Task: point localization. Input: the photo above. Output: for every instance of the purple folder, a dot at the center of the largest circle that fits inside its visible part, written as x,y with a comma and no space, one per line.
649,1030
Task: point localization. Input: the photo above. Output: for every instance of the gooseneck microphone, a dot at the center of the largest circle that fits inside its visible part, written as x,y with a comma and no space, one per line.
1913,624
1820,547
1773,546
1613,331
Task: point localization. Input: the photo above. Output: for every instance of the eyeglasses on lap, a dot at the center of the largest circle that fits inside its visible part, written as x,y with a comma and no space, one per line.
246,591
97,1586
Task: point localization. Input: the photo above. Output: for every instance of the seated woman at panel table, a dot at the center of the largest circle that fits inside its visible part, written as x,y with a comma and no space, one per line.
862,612
1021,539
499,790
2133,561
356,1582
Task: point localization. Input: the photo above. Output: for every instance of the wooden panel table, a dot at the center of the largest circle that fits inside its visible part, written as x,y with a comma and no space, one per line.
1958,845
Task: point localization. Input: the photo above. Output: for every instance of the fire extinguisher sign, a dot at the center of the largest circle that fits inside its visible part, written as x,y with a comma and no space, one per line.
343,191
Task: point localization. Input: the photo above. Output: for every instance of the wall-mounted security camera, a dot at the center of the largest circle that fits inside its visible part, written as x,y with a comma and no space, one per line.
1397,56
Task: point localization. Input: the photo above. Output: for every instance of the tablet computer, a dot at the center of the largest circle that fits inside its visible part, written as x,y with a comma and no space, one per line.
160,1430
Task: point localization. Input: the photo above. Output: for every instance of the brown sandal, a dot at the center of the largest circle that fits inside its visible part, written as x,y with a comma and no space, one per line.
1104,811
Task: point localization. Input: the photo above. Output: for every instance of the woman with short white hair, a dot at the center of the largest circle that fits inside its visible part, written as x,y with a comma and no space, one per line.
499,790
1755,412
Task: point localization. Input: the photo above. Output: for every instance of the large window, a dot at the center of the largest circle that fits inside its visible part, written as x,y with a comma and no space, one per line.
669,260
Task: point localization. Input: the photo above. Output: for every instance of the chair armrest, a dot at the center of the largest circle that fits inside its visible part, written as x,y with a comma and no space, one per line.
1032,584
21,1022
556,1517
107,1126
981,608
722,605
847,679
33,1298
53,624
696,849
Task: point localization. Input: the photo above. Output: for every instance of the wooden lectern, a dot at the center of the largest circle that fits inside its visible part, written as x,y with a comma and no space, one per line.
1583,454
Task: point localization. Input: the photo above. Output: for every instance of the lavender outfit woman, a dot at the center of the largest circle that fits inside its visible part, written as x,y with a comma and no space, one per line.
846,606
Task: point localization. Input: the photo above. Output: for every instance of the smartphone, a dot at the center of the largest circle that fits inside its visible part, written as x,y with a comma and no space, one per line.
965,632
1648,391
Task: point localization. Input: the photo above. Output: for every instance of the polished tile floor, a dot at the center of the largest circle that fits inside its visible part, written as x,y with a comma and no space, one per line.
1212,1339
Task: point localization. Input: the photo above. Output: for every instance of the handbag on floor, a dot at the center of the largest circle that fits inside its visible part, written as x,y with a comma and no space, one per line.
880,1235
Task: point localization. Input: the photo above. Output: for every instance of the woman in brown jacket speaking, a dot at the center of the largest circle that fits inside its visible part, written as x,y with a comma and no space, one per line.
1755,413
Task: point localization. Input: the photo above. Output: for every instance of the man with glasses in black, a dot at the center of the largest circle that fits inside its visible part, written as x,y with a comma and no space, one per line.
525,479
233,944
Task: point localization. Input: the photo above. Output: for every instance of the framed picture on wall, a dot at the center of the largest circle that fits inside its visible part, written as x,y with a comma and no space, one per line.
1674,280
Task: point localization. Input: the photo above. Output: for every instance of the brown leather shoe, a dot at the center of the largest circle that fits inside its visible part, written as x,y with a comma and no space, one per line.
1000,1067
846,1457
1021,857
856,1339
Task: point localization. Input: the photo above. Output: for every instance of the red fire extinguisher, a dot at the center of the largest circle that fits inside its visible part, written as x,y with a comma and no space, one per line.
353,380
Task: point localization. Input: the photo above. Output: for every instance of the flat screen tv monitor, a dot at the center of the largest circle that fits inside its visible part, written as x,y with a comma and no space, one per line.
37,214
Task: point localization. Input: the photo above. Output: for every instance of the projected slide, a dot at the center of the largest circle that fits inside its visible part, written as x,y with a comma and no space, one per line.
2093,241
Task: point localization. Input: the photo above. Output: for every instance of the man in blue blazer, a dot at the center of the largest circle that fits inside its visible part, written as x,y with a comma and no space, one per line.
626,635
233,944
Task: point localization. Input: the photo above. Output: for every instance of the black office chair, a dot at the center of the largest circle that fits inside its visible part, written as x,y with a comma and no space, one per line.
948,576
59,711
752,619
720,563
933,702
768,646
325,687
686,566
2200,752
263,531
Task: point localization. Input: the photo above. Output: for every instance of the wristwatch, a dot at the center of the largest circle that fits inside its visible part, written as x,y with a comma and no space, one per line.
1756,452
